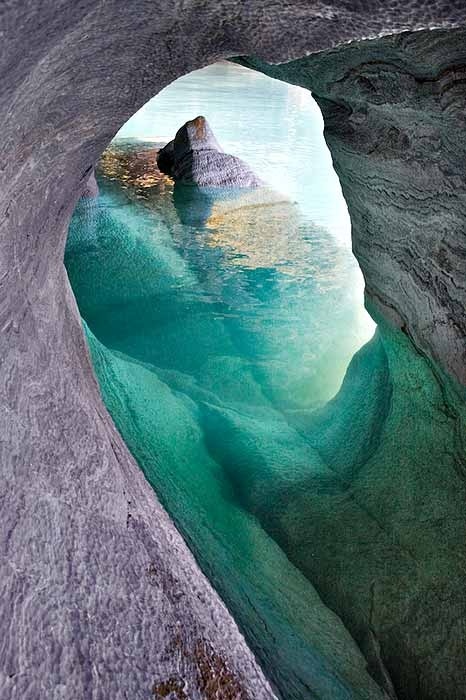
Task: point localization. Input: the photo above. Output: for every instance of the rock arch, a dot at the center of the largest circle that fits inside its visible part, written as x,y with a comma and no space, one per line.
84,540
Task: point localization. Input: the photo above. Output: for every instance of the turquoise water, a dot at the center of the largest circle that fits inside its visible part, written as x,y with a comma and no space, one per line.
281,275
276,128
218,323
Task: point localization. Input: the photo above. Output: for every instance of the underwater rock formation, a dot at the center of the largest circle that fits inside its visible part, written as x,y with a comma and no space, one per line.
194,157
99,595
387,558
324,484
138,334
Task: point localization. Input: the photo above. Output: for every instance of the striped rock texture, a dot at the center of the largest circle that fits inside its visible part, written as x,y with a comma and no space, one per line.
100,596
393,112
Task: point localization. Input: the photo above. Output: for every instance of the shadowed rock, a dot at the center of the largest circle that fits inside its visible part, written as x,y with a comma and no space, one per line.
195,157
91,188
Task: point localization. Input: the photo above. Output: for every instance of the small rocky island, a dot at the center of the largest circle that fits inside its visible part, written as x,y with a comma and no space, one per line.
195,157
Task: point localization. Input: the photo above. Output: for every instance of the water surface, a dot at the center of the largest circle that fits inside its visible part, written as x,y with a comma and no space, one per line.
218,322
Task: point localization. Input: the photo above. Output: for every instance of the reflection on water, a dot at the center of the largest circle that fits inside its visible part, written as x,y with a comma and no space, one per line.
217,322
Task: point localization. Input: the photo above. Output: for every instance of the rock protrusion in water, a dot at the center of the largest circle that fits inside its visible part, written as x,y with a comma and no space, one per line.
195,157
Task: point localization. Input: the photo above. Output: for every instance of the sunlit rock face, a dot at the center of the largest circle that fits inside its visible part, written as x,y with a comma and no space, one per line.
194,157
100,596
393,111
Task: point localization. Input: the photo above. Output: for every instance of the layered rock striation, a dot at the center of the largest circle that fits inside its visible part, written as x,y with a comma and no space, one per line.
99,595
394,110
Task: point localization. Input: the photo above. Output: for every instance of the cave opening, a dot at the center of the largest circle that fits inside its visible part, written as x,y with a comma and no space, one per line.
292,507
219,323
101,596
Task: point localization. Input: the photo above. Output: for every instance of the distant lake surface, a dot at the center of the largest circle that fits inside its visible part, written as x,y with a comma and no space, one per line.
275,127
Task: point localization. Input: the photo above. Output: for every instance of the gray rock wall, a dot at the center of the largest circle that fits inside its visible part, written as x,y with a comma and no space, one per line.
96,584
394,112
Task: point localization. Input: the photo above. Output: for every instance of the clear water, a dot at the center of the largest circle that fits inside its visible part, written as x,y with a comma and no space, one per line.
275,127
280,276
217,324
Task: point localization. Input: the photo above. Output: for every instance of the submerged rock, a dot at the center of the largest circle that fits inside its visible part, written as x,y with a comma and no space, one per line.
195,157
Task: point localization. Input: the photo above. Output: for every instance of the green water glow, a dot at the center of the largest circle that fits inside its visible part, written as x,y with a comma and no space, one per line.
219,326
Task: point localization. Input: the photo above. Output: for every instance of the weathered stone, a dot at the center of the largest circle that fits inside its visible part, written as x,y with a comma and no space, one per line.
84,613
393,112
194,157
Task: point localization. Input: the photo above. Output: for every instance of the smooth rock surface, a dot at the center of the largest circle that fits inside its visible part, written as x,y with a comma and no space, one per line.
194,157
96,603
382,536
